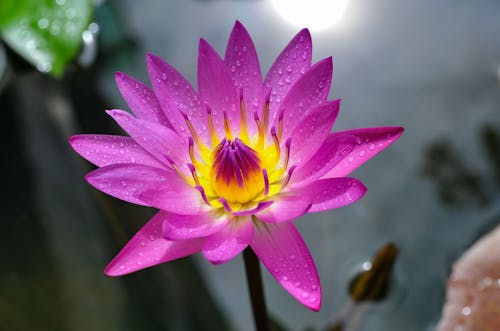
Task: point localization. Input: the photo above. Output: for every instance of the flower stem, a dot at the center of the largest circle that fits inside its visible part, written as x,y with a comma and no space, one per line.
254,281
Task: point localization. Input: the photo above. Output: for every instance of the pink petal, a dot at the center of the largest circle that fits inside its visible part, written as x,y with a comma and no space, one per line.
148,248
308,91
160,141
308,136
217,89
180,227
285,208
282,250
147,186
369,142
103,150
331,193
176,95
260,206
334,149
141,100
229,242
292,63
243,63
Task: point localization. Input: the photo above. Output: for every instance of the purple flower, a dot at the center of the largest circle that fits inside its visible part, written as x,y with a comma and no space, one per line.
233,164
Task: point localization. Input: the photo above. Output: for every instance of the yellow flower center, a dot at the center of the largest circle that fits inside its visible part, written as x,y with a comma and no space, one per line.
237,173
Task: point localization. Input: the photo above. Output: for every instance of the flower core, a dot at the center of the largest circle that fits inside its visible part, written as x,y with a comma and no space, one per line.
238,174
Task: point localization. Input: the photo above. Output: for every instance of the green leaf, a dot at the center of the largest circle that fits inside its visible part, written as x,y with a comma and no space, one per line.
47,33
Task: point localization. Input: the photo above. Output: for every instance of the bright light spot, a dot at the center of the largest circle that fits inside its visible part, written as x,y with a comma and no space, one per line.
313,14
367,265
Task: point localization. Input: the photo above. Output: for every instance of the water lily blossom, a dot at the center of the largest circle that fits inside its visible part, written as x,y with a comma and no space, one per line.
232,164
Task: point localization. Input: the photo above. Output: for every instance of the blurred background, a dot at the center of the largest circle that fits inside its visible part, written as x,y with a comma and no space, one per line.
430,66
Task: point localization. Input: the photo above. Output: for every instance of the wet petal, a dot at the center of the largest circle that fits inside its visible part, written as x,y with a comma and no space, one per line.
326,194
282,250
103,150
147,186
243,63
229,242
309,90
180,227
148,248
334,149
217,88
369,142
141,100
292,63
163,143
285,208
260,206
310,134
176,94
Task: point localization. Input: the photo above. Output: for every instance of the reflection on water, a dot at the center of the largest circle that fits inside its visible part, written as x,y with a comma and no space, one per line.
457,183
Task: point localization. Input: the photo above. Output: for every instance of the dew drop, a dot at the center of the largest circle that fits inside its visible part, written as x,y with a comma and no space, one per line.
372,147
43,23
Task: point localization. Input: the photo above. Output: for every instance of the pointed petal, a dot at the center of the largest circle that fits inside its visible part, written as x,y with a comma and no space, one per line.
282,250
285,209
176,94
217,88
309,90
161,142
292,63
243,63
326,194
147,186
141,99
334,149
309,134
180,227
148,248
229,242
103,150
369,142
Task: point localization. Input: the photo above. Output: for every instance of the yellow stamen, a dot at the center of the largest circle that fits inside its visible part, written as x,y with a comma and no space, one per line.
193,132
288,143
227,127
193,173
276,142
176,168
280,126
243,121
195,162
265,120
213,135
290,172
260,141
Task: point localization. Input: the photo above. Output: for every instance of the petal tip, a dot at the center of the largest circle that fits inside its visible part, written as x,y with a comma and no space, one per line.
110,271
72,140
119,76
